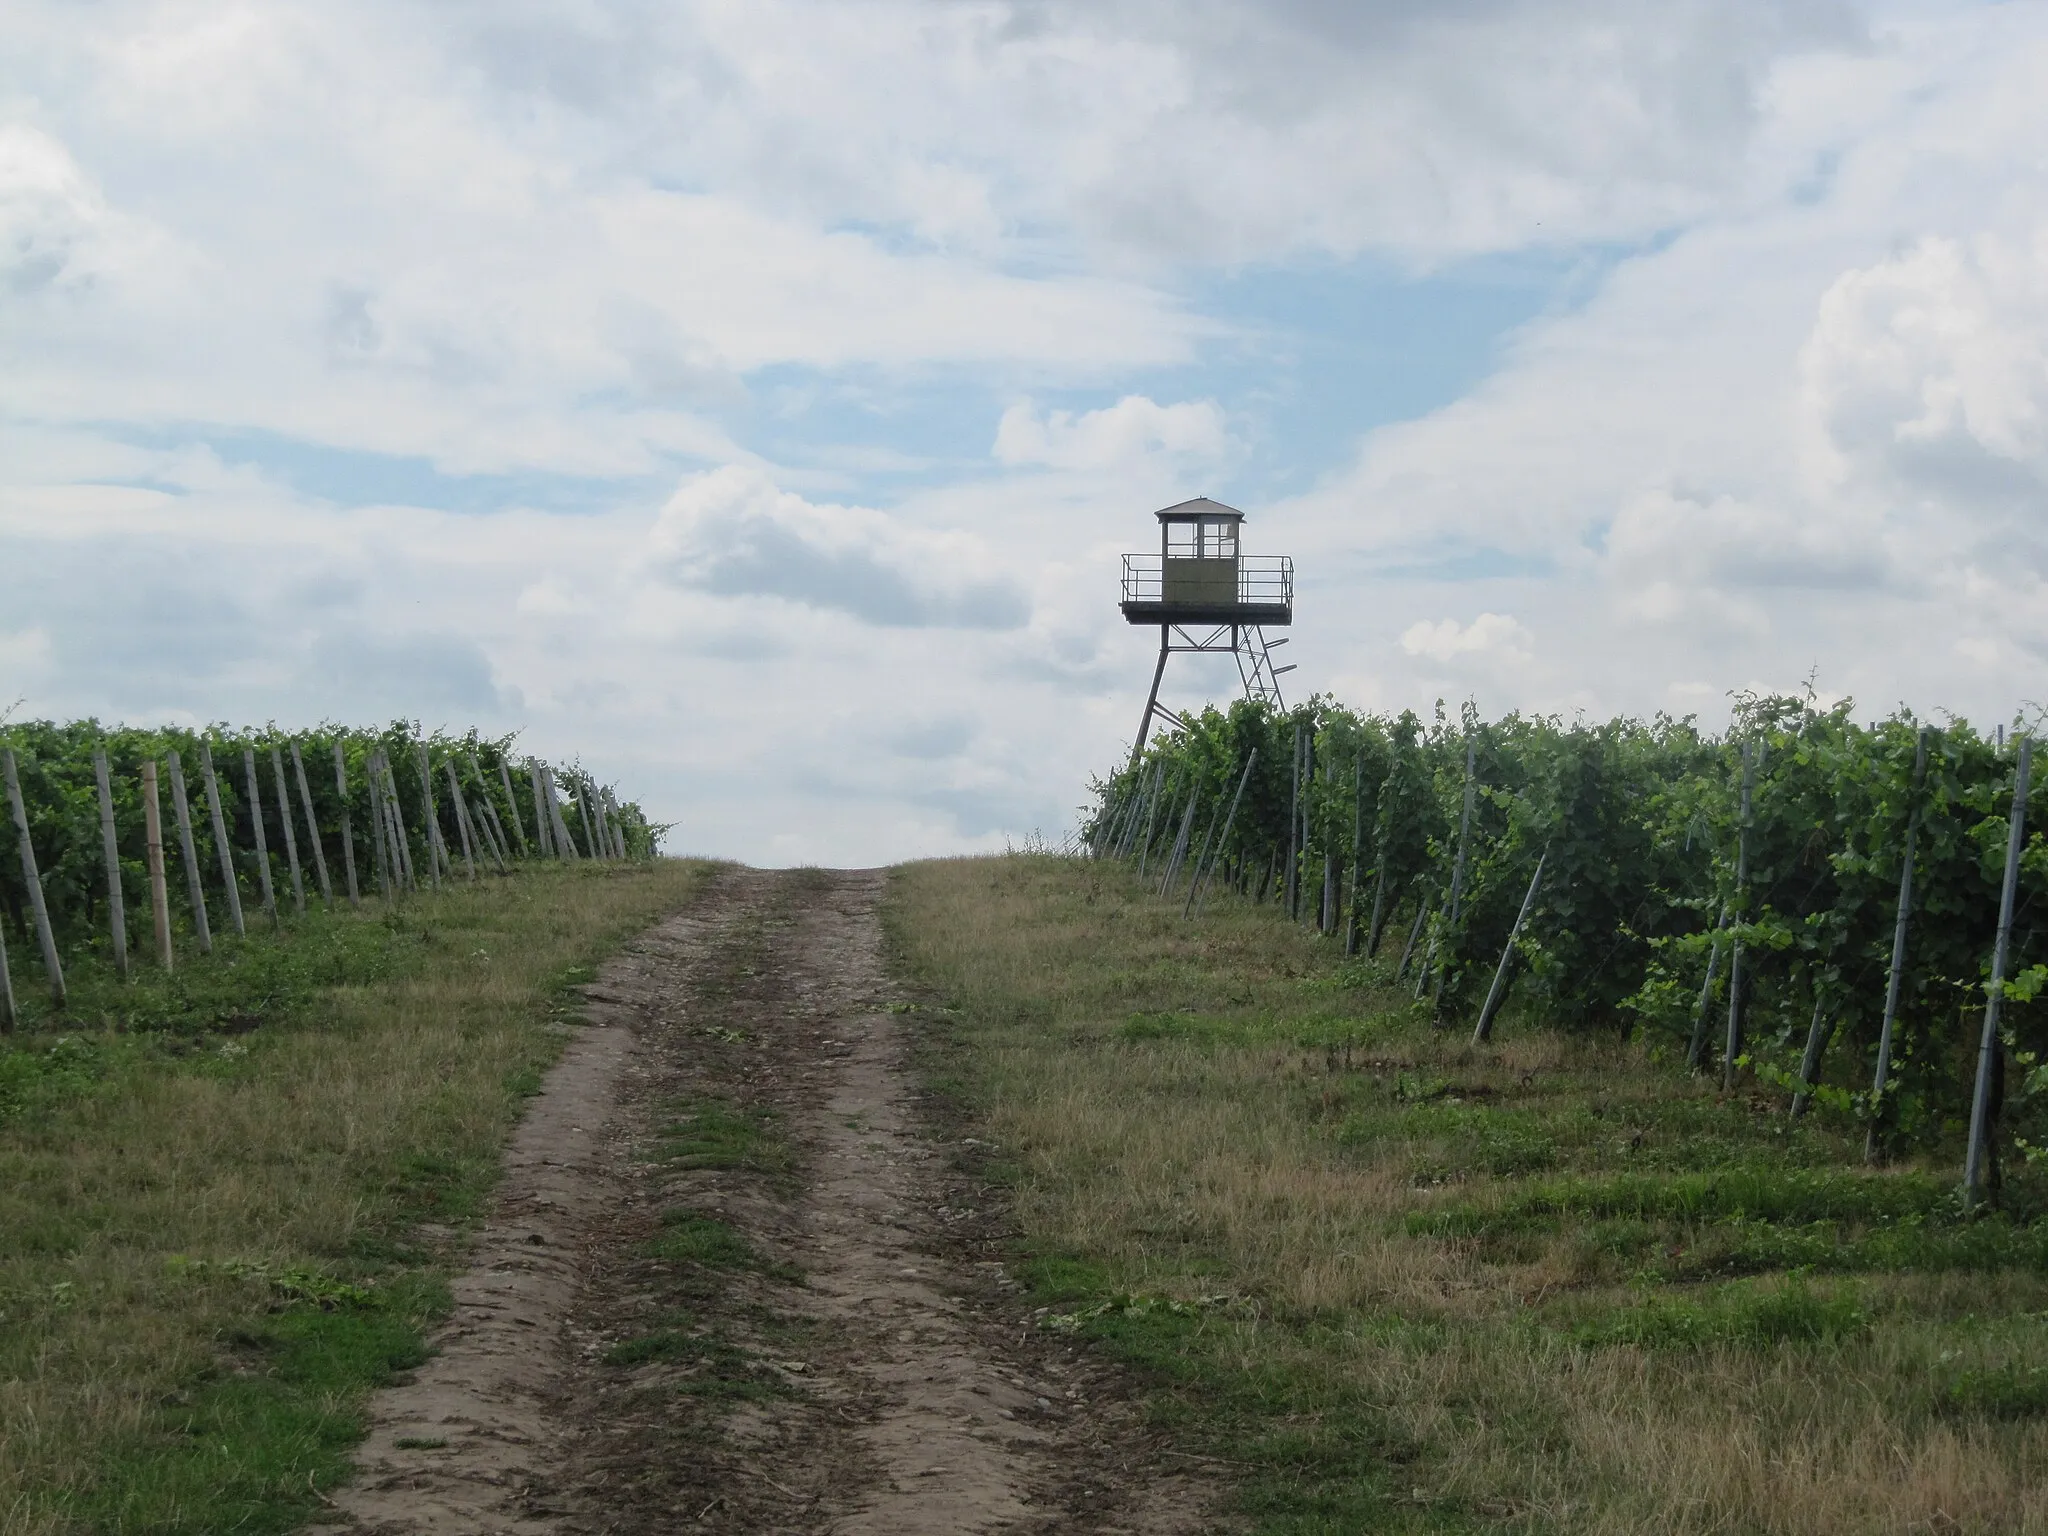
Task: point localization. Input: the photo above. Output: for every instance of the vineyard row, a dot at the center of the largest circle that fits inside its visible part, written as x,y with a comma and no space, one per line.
1850,914
397,808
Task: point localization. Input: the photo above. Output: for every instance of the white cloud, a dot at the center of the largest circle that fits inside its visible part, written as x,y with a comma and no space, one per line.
733,532
1491,634
779,259
1132,428
1928,371
24,660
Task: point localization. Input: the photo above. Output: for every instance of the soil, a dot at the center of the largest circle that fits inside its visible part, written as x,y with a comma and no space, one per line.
740,1276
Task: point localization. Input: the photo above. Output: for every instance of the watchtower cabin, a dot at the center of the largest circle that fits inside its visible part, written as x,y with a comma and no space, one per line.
1207,595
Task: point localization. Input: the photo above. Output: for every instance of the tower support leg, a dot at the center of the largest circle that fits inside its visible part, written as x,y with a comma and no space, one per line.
1151,700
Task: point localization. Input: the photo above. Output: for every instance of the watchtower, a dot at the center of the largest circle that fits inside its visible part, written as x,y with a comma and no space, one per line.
1206,595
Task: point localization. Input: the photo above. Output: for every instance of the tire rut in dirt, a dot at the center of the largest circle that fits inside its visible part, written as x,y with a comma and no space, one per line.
700,1400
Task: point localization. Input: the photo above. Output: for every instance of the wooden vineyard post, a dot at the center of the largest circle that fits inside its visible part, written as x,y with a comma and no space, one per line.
117,914
312,825
501,849
1734,1047
394,812
583,814
1455,906
1990,1049
348,842
1873,1137
45,937
395,835
268,887
188,854
380,832
394,826
480,828
616,825
461,821
543,834
511,804
153,843
1696,1049
221,845
564,843
432,811
1497,993
562,832
485,815
590,792
291,840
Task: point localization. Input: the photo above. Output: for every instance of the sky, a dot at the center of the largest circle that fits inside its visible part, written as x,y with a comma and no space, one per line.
752,400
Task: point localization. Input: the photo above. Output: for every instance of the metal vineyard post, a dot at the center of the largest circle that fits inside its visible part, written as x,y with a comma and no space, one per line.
1497,993
1203,875
1989,1046
1809,1064
1697,1049
1734,1048
1351,926
1896,973
6,989
1456,905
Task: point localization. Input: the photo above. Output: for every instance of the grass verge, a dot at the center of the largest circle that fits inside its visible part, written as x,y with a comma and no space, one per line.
224,1193
1551,1284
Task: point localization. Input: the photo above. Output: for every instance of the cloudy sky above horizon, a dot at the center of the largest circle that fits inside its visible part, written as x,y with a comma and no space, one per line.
753,399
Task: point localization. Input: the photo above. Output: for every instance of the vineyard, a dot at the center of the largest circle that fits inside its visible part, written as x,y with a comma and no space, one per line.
123,847
1847,914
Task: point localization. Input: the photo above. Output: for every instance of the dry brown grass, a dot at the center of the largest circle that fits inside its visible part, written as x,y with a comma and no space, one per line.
316,1143
1215,1152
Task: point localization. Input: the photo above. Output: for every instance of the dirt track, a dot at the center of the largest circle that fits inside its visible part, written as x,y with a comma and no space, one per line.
860,1365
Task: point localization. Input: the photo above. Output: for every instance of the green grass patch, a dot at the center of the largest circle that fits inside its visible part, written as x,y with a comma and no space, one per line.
712,1133
211,1184
1741,1315
709,1366
2007,1392
241,1449
689,1237
1389,1280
